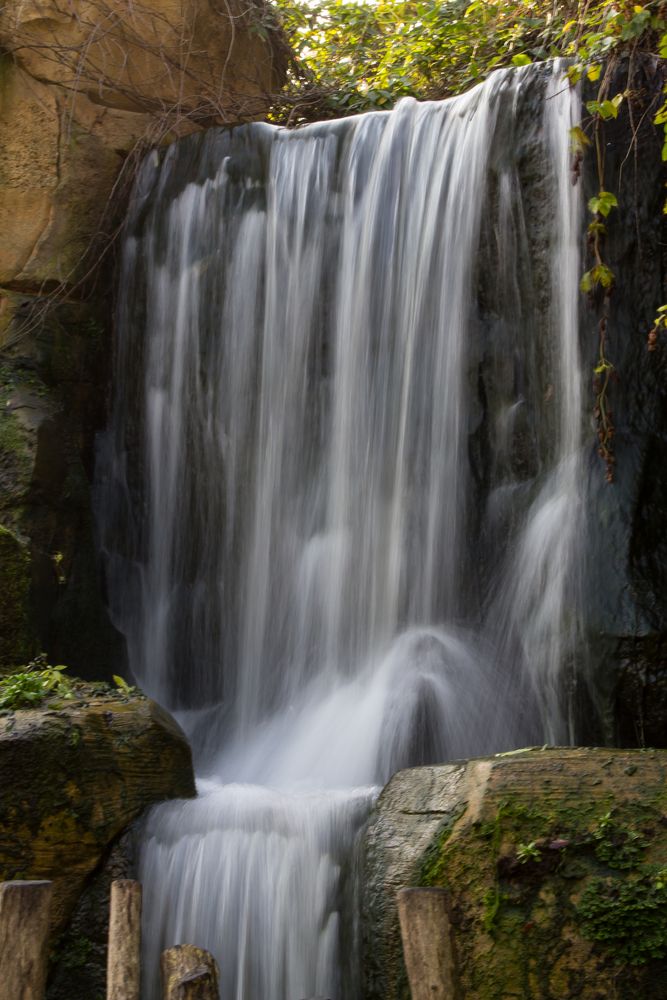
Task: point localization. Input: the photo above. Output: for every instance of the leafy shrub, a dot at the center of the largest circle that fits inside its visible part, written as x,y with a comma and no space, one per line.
29,687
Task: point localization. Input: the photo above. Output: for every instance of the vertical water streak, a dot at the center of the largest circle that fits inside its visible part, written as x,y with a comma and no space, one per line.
537,609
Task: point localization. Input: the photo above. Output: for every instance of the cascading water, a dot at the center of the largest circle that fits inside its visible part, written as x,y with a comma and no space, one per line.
340,493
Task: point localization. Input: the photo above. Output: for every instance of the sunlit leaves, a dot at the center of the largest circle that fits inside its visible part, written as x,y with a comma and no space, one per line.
365,54
598,275
578,139
605,109
602,203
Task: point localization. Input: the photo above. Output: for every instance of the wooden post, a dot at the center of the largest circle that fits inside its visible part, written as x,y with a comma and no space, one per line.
428,943
124,955
189,973
24,939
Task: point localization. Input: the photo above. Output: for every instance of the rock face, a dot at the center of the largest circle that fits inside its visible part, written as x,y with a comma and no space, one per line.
48,568
78,969
83,88
73,778
555,860
81,84
625,555
15,632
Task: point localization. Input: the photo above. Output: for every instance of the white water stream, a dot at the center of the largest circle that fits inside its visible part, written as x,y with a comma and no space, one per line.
306,560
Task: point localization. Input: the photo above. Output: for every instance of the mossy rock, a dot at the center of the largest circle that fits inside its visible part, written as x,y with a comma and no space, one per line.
74,775
556,861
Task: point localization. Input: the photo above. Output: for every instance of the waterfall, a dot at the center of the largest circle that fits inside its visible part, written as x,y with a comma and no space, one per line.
340,495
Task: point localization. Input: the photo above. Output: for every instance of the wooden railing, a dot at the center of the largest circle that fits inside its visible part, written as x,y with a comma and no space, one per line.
188,972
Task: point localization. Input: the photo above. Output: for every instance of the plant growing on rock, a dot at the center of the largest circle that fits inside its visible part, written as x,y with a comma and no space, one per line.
29,687
629,916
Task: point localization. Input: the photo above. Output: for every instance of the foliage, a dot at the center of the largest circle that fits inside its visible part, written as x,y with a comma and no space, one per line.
38,681
617,846
29,687
356,55
527,852
660,323
627,915
122,685
611,30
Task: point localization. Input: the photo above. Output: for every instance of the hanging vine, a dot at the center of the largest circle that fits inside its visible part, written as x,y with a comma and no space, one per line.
620,32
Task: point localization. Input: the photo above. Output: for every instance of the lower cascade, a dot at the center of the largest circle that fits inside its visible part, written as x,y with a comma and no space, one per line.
340,499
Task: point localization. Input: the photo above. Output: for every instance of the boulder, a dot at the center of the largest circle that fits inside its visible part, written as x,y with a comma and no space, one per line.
556,860
74,775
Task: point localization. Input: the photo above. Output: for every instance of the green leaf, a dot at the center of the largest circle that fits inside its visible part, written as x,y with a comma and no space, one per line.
608,109
602,275
602,203
593,72
521,59
586,283
578,139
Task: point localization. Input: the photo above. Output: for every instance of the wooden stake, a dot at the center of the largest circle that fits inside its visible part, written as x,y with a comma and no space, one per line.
24,939
428,943
124,955
189,973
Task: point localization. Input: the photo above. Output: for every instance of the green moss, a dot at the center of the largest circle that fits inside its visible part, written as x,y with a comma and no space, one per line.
533,884
627,915
432,871
615,845
72,951
15,457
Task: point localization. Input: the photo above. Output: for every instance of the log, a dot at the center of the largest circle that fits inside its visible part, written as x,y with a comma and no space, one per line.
124,954
428,943
24,939
189,973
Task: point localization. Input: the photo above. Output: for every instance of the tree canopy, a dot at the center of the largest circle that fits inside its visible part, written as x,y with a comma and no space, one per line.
359,55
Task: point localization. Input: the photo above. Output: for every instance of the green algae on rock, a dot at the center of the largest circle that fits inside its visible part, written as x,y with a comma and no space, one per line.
555,860
76,774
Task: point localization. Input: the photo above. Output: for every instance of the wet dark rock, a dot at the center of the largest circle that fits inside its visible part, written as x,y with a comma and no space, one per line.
51,405
78,966
625,559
